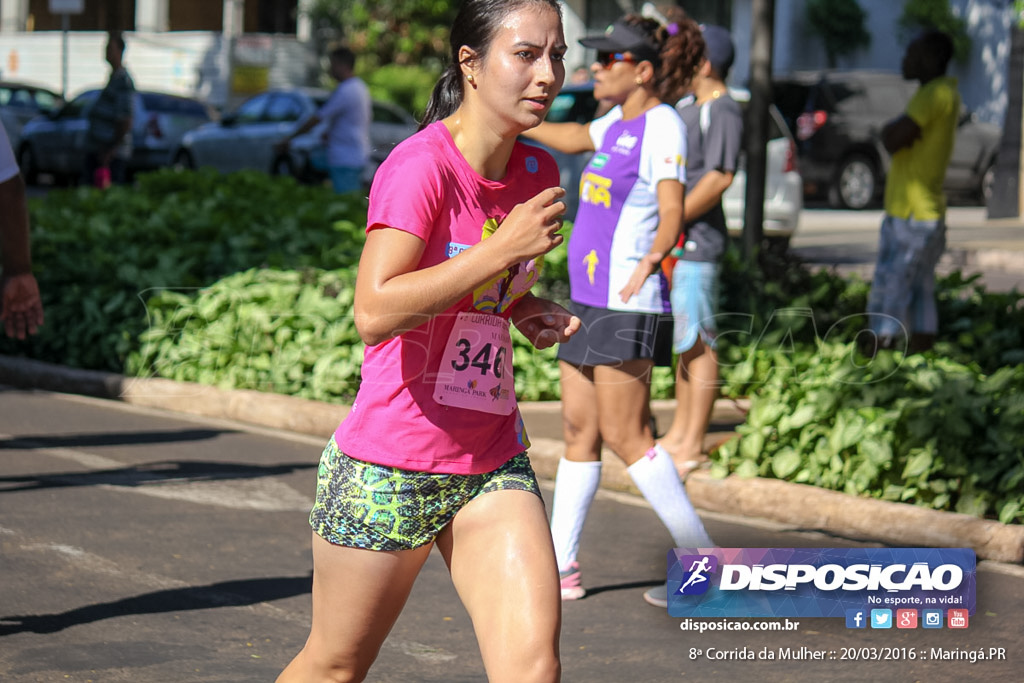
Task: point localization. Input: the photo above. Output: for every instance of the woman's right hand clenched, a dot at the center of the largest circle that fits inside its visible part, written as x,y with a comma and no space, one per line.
531,229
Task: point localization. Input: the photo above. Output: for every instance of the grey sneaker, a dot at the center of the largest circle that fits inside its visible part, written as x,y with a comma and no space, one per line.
657,596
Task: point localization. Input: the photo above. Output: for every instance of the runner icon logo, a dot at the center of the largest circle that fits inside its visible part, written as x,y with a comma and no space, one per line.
697,579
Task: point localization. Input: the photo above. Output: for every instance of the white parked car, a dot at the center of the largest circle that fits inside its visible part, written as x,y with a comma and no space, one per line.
783,189
246,138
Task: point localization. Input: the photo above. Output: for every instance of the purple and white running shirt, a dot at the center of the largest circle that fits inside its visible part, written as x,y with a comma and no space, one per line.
618,210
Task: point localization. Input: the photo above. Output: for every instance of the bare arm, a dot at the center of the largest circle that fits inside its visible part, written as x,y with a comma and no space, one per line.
308,125
21,310
570,138
899,133
14,238
670,224
392,296
706,194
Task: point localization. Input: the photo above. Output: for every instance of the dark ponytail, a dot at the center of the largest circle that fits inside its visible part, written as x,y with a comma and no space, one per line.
474,27
682,51
445,97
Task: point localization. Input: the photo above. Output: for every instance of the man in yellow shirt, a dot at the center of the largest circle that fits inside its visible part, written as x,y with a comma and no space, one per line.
901,307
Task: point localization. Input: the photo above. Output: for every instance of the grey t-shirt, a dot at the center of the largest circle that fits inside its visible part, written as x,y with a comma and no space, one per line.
114,105
714,136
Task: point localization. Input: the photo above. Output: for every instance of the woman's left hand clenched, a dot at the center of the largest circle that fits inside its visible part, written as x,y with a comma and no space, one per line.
544,323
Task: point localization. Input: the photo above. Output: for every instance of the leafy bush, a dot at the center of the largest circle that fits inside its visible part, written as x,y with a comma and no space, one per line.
246,281
407,86
100,255
287,332
921,429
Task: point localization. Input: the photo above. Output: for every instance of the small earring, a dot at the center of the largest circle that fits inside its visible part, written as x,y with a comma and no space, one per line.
469,77
639,81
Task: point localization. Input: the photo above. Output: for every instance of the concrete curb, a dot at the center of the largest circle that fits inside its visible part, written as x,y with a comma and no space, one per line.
801,506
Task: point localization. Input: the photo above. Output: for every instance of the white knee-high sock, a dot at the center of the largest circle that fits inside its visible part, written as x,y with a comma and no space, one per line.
656,476
575,486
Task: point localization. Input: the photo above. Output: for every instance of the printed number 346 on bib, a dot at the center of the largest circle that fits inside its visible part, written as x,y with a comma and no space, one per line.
476,368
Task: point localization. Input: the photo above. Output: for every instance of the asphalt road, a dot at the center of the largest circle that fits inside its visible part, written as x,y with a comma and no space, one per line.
143,546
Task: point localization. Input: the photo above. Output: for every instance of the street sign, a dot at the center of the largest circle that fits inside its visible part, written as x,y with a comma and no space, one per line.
67,6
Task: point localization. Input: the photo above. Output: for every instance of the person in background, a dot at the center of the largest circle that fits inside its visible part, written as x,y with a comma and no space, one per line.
21,308
108,140
347,114
630,216
581,75
433,452
714,133
901,306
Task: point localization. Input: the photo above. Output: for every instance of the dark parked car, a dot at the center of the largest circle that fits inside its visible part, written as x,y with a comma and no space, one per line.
246,138
20,103
55,143
837,116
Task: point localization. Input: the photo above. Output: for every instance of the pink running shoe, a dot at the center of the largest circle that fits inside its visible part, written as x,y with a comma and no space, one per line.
570,578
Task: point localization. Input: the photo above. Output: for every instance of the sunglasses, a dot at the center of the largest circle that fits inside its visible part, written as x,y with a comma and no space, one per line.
608,59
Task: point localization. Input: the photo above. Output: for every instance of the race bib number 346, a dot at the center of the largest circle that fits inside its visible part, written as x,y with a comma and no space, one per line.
476,368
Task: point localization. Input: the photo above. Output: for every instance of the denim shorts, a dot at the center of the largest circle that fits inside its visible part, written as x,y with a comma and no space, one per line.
694,304
346,178
378,507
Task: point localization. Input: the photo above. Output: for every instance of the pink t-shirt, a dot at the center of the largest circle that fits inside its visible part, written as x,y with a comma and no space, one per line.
439,398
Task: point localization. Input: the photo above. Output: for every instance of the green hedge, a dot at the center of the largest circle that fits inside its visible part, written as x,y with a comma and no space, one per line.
246,281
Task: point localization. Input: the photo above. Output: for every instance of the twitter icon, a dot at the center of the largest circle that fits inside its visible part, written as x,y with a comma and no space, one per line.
881,618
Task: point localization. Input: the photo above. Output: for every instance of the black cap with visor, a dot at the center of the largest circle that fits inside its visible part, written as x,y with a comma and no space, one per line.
623,37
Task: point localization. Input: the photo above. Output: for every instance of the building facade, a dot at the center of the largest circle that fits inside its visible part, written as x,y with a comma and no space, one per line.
257,16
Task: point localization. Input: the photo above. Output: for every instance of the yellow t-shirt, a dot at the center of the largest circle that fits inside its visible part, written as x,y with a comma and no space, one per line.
914,184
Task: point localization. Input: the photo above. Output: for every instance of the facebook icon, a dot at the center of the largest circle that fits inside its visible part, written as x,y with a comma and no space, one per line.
856,618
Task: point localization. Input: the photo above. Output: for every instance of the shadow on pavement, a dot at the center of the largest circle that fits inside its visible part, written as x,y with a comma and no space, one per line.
34,442
612,587
236,593
151,473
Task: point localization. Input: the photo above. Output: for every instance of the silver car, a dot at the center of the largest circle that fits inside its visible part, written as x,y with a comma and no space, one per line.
246,138
54,144
20,103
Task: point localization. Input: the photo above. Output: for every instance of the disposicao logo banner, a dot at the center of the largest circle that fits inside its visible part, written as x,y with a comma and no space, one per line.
817,582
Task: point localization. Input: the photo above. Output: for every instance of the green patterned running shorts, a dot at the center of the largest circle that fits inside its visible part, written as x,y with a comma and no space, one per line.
377,507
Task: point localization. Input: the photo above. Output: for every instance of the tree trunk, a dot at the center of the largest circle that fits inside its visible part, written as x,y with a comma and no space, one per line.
756,133
1005,201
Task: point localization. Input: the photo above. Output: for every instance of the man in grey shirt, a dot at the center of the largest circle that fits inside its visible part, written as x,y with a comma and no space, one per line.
714,133
109,138
348,113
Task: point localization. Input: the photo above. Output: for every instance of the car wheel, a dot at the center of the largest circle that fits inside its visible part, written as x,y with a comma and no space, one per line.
778,244
988,181
856,183
282,166
183,161
27,164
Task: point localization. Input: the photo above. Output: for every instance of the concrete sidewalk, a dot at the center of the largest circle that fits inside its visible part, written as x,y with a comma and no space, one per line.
848,242
797,505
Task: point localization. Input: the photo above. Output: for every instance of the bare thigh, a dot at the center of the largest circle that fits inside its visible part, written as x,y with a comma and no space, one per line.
357,597
499,552
623,406
579,413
